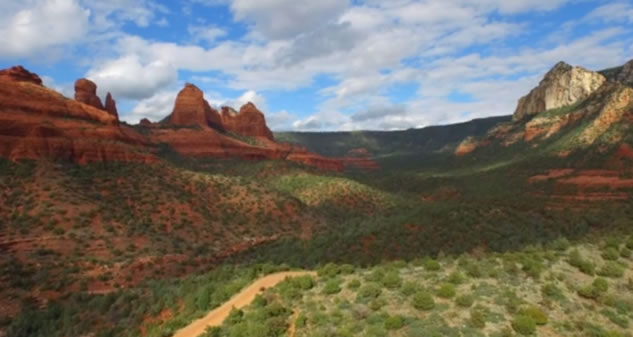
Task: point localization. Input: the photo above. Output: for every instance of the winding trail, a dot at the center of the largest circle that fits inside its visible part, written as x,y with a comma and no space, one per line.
240,300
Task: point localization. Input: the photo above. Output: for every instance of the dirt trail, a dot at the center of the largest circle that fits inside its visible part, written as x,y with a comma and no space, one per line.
240,300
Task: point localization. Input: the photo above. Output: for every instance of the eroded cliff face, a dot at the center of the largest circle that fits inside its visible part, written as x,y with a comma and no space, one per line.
562,86
86,92
192,109
39,123
249,121
36,123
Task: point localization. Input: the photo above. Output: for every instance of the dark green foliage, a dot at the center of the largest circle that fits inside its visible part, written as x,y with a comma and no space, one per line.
394,322
465,301
538,315
585,266
524,325
446,290
611,269
423,301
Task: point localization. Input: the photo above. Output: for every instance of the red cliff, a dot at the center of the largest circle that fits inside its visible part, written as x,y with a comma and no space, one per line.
192,109
249,121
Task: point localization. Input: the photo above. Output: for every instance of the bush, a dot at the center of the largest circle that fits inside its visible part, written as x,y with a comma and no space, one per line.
478,318
585,266
456,278
431,265
446,290
595,290
538,315
611,269
423,301
409,288
610,254
368,292
524,325
354,284
392,280
465,301
552,291
332,286
394,322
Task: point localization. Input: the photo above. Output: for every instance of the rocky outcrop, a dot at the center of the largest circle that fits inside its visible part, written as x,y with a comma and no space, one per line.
36,122
563,85
86,92
145,122
192,109
616,104
625,76
110,106
19,74
467,146
249,121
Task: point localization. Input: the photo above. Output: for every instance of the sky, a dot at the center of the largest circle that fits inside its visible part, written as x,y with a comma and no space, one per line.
320,65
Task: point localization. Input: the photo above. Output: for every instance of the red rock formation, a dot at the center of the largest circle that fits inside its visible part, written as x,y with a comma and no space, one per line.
192,109
36,122
110,106
19,74
145,122
249,121
86,92
360,159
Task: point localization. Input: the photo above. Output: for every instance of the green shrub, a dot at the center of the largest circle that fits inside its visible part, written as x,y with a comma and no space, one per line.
585,266
332,286
423,301
595,290
611,269
465,301
524,325
478,318
409,288
354,284
456,278
538,315
394,322
610,254
446,290
431,265
392,280
552,291
368,292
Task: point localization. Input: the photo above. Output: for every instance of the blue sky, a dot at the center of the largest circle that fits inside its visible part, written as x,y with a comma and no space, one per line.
315,65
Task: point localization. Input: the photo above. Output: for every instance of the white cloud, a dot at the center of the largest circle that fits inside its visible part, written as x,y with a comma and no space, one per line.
207,34
154,108
613,12
38,25
128,77
281,19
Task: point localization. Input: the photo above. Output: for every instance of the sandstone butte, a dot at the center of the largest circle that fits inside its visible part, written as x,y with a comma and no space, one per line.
37,122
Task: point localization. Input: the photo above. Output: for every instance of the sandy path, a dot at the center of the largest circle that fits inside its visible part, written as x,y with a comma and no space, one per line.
240,300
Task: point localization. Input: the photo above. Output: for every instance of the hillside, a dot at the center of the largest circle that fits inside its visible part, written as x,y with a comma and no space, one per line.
110,229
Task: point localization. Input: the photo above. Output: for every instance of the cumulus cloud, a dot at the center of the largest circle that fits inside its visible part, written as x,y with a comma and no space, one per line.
128,77
35,26
281,19
154,108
